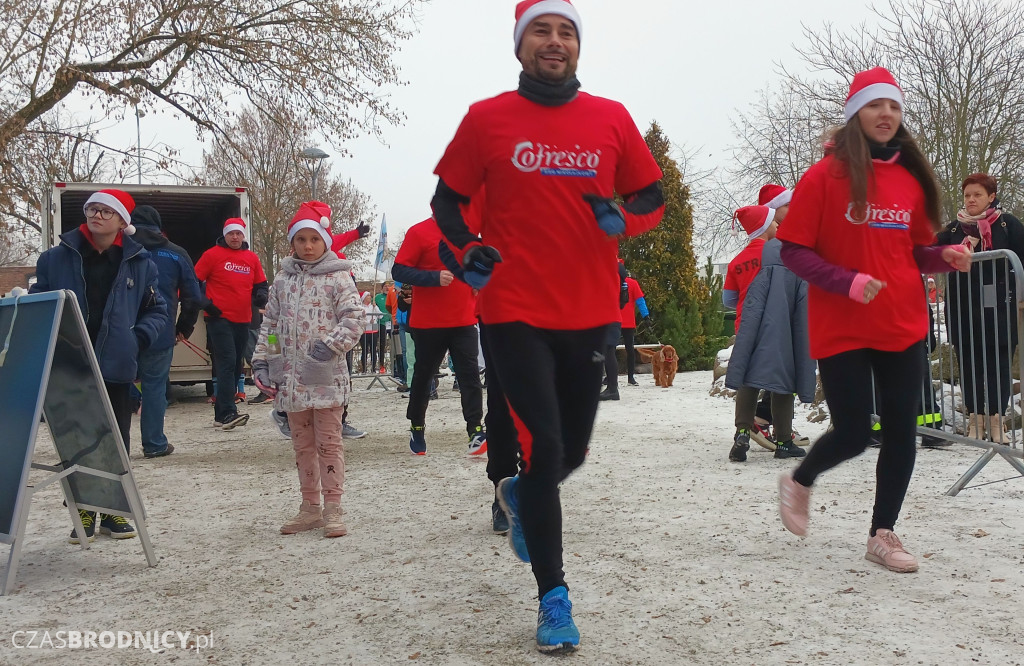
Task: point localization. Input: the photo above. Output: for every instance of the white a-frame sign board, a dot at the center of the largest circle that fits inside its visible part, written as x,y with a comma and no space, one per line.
48,368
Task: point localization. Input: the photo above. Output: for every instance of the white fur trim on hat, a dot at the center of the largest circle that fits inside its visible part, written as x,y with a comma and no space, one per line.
764,227
110,201
557,7
780,200
234,226
865,95
320,227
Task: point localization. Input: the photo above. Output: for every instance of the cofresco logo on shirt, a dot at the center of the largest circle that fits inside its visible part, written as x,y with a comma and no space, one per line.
553,161
236,268
881,218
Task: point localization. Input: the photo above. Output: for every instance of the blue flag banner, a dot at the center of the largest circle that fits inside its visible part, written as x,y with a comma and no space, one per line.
383,243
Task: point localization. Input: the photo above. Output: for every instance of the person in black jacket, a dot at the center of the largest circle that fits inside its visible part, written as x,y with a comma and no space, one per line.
980,305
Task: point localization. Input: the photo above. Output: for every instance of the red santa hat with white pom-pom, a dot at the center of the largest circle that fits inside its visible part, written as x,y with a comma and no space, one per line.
312,215
121,202
774,196
528,10
869,85
234,224
755,220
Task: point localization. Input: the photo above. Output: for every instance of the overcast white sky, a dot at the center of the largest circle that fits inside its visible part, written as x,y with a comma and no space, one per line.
689,65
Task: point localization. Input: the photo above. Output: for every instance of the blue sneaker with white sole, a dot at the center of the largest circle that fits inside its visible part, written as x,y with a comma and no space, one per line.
509,501
556,631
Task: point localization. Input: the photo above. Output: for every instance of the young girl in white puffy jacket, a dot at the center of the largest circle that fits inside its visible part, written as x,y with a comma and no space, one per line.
313,317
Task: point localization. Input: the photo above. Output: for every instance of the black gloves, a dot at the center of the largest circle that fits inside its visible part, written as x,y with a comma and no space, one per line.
363,229
478,263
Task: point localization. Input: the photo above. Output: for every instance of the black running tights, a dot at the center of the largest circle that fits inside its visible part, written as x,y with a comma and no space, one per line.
846,380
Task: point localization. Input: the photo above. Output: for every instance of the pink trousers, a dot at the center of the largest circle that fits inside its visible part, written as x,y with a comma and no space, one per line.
319,453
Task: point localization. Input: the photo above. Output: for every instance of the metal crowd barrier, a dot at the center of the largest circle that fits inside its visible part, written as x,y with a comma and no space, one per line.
977,321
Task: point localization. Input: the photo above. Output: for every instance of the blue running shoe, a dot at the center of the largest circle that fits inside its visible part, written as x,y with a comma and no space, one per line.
556,632
510,505
417,441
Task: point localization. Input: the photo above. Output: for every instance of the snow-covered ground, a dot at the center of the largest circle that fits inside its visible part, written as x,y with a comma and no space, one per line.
673,554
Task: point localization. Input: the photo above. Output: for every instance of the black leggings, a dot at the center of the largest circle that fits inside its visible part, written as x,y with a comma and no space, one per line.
552,380
431,344
369,343
611,363
846,380
502,447
628,338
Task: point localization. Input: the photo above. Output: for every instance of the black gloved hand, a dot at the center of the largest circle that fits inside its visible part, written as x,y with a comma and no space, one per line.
610,217
478,263
211,309
363,229
184,331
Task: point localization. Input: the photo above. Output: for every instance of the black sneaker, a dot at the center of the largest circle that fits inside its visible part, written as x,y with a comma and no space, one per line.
116,526
160,454
235,420
260,399
89,523
633,382
930,442
499,521
403,388
609,394
875,440
740,446
788,449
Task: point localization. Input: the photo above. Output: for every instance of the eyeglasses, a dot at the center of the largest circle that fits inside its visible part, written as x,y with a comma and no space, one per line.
102,213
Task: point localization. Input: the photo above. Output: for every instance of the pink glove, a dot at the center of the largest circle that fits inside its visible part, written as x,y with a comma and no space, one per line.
865,288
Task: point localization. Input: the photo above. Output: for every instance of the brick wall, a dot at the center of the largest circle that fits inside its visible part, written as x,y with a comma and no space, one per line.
14,276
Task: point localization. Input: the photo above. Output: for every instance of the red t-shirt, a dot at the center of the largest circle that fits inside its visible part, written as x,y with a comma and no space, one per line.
628,314
880,245
742,270
434,307
229,276
559,269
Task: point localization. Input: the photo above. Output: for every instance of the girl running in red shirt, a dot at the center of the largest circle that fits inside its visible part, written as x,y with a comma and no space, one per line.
860,230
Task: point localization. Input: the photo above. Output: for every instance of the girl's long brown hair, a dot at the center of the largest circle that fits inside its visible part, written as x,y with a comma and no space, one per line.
849,145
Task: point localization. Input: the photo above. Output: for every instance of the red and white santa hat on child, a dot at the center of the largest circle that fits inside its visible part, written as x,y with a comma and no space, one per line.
234,224
755,220
121,202
528,10
774,196
312,215
875,83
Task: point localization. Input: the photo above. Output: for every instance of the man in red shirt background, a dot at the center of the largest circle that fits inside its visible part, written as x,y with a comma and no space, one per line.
234,283
443,319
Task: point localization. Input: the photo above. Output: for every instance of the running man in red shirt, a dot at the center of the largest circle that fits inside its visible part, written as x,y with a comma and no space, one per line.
551,158
442,320
234,282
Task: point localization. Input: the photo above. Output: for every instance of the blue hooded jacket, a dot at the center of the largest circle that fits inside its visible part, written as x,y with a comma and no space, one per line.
176,275
134,314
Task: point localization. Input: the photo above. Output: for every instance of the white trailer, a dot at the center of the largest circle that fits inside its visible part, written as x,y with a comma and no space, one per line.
193,217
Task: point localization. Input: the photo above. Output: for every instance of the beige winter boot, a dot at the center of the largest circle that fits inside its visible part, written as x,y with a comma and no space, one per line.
333,525
309,518
976,426
995,429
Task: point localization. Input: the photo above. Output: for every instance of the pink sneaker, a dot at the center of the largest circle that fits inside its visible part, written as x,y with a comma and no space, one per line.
886,549
794,502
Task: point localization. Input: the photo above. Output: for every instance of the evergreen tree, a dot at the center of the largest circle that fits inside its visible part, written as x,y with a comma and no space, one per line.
664,263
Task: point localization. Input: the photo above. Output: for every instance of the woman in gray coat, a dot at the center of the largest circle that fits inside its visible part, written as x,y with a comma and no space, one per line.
772,352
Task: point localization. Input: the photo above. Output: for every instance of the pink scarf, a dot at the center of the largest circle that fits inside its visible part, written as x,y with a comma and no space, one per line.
981,225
